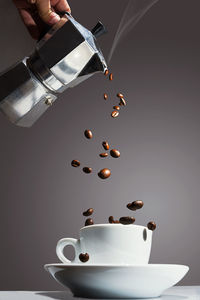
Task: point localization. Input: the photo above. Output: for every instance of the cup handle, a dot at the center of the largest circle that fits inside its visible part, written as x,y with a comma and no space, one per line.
62,244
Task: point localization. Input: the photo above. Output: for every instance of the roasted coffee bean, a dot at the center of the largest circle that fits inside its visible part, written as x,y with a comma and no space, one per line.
75,163
111,76
130,206
151,225
88,222
84,257
105,145
119,95
122,102
105,96
115,153
138,204
116,107
88,134
135,205
112,221
106,72
115,114
88,212
126,220
104,173
87,170
103,154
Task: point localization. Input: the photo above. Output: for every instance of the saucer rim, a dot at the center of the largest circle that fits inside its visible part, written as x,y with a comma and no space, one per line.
115,265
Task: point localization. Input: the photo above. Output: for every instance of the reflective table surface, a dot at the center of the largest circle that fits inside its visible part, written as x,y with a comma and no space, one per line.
175,293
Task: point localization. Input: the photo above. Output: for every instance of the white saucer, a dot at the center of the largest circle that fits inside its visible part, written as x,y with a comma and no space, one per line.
117,281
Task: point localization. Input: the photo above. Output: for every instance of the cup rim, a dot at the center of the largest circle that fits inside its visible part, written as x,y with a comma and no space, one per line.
113,225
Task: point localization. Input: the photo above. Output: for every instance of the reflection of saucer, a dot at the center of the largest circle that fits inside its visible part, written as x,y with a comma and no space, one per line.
115,281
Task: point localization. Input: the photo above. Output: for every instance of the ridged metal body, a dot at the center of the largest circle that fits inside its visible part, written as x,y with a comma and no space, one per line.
67,55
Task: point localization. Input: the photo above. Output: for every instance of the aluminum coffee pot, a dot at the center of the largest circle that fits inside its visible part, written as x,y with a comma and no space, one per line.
66,55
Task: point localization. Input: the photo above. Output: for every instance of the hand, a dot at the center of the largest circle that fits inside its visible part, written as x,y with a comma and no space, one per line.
35,13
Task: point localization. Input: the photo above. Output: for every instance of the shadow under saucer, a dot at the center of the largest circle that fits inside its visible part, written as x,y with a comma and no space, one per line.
57,295
68,296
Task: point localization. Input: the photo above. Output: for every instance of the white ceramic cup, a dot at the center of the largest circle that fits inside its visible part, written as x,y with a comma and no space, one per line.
110,244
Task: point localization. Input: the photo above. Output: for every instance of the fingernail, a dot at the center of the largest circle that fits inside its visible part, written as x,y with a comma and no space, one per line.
53,18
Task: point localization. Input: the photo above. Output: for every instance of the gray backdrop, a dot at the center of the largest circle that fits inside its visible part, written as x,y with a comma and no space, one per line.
157,67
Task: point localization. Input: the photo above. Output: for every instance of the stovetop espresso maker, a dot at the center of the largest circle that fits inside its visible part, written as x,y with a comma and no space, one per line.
66,55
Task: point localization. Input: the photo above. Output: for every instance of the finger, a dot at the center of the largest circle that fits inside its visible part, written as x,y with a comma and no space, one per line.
29,23
46,13
32,1
62,5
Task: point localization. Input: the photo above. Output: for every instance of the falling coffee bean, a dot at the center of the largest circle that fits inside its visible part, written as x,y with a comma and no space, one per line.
111,76
119,95
84,257
115,114
105,96
115,153
130,206
151,225
88,134
116,107
122,102
105,145
88,212
75,163
112,221
87,170
106,72
126,220
88,222
105,154
104,173
135,205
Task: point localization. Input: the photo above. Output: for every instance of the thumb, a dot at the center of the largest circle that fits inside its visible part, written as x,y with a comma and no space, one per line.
46,13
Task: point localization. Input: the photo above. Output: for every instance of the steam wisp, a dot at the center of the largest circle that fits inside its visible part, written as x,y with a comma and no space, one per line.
132,14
